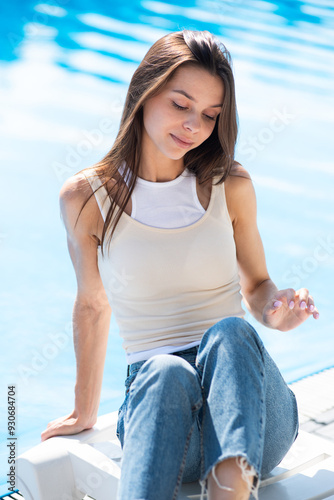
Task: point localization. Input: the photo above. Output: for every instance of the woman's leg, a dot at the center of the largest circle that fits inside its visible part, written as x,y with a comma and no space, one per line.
226,482
164,400
248,412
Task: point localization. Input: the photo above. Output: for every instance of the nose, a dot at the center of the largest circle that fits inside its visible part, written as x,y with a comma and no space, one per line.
192,123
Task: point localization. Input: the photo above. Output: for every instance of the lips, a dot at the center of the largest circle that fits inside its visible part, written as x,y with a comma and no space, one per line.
182,141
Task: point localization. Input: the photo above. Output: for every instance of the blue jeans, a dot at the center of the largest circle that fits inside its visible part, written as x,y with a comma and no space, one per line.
183,413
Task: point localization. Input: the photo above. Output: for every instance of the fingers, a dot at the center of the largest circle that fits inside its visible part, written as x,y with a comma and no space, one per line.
286,297
53,422
58,420
300,299
46,434
56,431
52,430
306,302
61,427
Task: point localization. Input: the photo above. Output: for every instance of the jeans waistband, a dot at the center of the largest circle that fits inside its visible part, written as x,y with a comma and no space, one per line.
185,352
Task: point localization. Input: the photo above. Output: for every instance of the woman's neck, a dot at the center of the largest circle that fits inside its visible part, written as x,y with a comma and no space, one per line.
154,166
161,173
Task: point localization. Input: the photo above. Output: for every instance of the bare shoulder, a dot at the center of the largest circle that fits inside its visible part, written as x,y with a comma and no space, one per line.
73,193
240,194
79,209
238,170
76,187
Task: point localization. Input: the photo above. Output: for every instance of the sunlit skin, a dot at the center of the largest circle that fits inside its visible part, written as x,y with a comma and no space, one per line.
228,473
186,109
171,113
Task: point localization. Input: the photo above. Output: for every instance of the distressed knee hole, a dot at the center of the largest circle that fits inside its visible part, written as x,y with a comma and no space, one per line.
220,486
249,475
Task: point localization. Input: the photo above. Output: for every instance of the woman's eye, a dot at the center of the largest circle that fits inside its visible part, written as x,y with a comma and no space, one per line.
182,108
177,106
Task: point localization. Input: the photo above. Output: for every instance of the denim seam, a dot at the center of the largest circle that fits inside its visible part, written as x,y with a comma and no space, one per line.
201,432
197,406
295,413
257,339
122,410
183,463
200,367
262,421
204,474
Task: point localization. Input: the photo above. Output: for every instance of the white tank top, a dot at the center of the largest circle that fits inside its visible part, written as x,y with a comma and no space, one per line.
168,285
170,204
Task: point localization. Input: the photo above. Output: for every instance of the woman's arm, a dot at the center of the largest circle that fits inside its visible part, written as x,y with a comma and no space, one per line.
91,312
278,309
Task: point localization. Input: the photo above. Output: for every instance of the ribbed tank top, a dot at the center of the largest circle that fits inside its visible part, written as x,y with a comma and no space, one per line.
168,204
168,286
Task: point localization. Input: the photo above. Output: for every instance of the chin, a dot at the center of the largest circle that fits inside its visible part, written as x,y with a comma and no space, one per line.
174,156
178,157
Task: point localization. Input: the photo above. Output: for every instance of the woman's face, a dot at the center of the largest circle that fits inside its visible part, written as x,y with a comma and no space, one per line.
183,114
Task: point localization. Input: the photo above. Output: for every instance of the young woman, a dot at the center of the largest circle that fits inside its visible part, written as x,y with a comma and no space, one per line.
170,241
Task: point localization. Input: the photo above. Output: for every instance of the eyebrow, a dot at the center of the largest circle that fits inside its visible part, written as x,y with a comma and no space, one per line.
183,92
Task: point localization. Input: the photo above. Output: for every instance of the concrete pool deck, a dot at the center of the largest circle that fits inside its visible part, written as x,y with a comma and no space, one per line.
315,399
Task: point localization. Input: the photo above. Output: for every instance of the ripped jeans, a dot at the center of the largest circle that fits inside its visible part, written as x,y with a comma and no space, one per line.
185,412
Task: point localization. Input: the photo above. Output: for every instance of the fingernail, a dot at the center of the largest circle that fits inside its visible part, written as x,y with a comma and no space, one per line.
316,315
277,303
311,308
291,304
302,305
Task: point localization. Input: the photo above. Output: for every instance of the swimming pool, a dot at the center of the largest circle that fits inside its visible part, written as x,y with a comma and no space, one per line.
64,72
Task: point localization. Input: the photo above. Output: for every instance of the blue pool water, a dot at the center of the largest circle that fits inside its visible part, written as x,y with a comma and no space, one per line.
64,68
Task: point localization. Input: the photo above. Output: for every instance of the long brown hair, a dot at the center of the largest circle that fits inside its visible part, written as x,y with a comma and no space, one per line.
214,157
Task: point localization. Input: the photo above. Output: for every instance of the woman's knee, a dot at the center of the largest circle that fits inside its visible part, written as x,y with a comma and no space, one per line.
167,367
234,331
169,376
234,341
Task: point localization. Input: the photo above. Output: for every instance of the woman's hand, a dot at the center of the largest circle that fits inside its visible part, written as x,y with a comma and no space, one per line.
288,309
70,424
